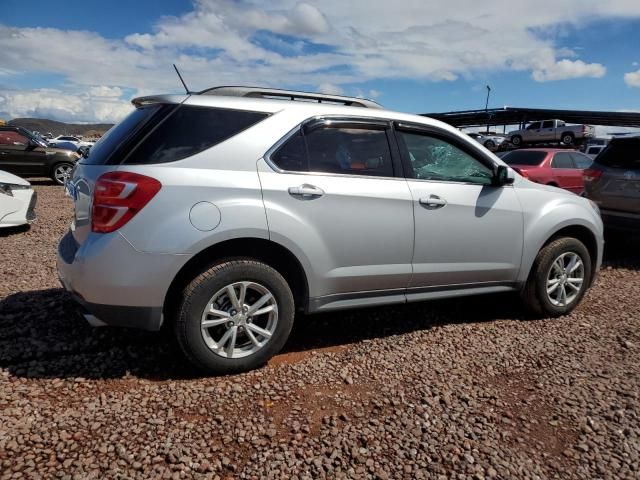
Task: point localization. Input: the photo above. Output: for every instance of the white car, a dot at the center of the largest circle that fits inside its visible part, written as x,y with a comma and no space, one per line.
17,201
491,142
69,139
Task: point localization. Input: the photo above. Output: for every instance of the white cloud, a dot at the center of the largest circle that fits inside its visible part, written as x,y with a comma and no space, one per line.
330,89
568,69
632,79
362,40
65,106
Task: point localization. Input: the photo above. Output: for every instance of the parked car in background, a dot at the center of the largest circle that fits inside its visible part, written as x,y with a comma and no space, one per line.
549,166
551,131
17,201
491,142
613,182
220,214
69,139
26,155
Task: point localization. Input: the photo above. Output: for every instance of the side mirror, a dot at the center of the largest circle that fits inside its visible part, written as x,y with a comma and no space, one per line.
503,176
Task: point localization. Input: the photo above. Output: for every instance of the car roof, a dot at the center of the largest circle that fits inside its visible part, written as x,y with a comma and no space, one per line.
548,150
308,108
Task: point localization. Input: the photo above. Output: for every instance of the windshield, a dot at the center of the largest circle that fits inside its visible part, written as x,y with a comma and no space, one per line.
524,157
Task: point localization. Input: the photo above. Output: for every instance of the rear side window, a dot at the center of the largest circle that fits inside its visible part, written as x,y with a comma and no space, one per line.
354,151
562,160
190,130
623,153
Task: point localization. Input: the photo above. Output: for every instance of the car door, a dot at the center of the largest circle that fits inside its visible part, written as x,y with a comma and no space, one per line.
532,132
547,132
468,232
566,173
334,196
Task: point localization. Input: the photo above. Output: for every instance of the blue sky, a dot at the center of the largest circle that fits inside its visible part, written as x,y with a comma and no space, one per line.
84,60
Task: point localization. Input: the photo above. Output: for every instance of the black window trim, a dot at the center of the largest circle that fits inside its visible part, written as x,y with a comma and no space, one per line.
449,137
340,121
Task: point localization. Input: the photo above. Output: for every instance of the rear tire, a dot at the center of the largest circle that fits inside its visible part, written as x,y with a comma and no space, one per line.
235,340
567,138
542,294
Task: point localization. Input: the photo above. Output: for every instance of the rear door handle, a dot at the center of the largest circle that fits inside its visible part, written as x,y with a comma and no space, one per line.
306,191
432,202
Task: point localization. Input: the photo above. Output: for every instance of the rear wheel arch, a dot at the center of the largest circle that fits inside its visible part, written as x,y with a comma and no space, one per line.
266,251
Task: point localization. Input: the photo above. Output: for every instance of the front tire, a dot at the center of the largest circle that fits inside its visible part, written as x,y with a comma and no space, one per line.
490,145
516,140
559,278
61,172
234,316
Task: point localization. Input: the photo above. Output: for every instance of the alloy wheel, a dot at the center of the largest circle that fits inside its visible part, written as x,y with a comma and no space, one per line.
565,279
239,319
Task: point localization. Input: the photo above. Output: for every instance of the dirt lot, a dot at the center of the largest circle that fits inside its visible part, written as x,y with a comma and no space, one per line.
449,389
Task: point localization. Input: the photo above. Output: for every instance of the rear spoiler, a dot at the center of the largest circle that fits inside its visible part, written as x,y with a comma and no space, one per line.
152,99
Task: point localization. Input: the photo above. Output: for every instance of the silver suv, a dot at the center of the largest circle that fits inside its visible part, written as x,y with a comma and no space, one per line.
220,214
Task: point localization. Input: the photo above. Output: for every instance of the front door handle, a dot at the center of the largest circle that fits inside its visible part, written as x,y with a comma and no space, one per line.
306,191
432,202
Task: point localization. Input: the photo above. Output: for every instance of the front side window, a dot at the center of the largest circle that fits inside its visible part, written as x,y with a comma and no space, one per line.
562,160
432,158
534,126
11,137
547,124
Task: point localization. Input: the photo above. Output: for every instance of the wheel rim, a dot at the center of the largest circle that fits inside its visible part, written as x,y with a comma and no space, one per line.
567,139
62,173
490,144
239,319
516,140
565,279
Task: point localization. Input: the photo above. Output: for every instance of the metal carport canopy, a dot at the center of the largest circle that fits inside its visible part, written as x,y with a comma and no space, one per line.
516,116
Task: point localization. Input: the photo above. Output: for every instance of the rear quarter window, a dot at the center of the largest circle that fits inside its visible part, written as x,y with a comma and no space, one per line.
189,130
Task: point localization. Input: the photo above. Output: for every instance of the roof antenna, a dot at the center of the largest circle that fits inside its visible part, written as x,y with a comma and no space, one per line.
181,79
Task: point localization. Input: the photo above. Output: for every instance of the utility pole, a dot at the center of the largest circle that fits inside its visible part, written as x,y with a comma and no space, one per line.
486,106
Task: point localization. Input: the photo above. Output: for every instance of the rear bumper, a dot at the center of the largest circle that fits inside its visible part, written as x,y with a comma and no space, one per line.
620,220
114,283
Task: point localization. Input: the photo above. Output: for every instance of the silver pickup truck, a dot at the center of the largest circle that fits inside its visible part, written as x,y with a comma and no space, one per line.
551,131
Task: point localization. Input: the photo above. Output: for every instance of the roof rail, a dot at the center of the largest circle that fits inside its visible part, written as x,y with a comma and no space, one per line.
278,94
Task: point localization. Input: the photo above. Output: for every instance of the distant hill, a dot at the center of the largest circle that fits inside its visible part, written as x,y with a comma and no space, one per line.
43,125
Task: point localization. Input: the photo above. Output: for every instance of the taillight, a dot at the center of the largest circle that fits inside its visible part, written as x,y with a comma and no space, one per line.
522,172
590,174
118,196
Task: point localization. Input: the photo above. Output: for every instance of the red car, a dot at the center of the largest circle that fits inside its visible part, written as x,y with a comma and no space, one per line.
550,166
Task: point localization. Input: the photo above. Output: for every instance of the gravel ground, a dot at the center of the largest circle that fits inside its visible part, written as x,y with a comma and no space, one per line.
448,389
